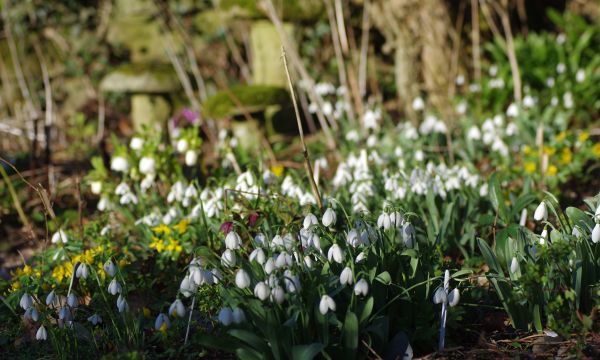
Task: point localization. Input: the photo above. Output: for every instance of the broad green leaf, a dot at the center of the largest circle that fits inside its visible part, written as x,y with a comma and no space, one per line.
384,278
367,309
306,352
250,339
350,335
489,256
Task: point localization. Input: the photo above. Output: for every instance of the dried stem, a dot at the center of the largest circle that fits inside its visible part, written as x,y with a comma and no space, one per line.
364,48
475,38
307,163
502,10
15,197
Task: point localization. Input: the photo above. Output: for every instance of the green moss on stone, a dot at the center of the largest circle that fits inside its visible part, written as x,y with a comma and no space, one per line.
253,98
292,10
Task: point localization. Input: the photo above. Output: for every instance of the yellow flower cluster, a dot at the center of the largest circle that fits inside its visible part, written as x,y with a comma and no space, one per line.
169,243
165,245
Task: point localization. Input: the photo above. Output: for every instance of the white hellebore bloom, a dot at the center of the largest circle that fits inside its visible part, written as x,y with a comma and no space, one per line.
226,316
329,218
262,291
541,213
147,165
361,287
162,322
326,304
346,277
242,279
114,287
119,164
177,308
41,334
59,236
110,268
238,315
309,221
335,253
233,241
596,233
26,301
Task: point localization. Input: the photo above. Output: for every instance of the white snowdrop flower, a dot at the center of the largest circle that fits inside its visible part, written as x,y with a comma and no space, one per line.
326,304
329,218
410,132
327,108
511,129
260,239
312,108
483,190
493,71
147,182
474,88
568,100
119,164
528,101
277,295
514,265
408,235
262,291
242,279
238,315
453,297
177,308
371,118
576,232
96,187
122,304
346,277
384,221
541,212
288,241
82,271
65,314
50,298
396,219
474,133
360,258
41,334
513,110
353,238
597,212
225,316
561,39
110,268
191,157
418,104
162,322
561,68
309,221
335,253
543,236
282,260
258,255
554,101
460,80
114,287
233,241
147,165
291,282
308,262
32,313
439,296
182,146
72,300
596,233
371,141
103,204
277,241
201,276
269,266
352,136
128,198
550,82
136,143
228,259
187,287
419,155
60,236
461,108
361,288
95,319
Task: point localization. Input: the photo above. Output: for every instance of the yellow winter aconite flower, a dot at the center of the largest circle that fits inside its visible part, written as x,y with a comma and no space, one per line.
146,312
583,136
552,170
530,167
15,286
164,327
549,150
596,149
27,270
157,244
566,156
277,170
560,137
174,246
526,149
182,226
162,229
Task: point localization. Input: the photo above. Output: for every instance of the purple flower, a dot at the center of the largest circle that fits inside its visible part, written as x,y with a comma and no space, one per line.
190,115
226,227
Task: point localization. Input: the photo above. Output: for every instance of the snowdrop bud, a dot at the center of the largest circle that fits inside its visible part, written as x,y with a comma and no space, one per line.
541,213
119,164
269,266
543,236
453,297
242,279
41,334
258,255
162,322
228,258
50,298
326,304
361,288
147,165
383,221
408,235
514,265
187,287
95,319
217,276
335,253
596,234
233,241
136,143
59,236
346,276
361,257
281,260
177,308
310,220
277,295
182,145
353,238
114,287
82,271
308,262
72,300
260,239
238,315
191,157
122,304
439,296
226,316
262,291
96,187
110,268
329,218
26,301
32,313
